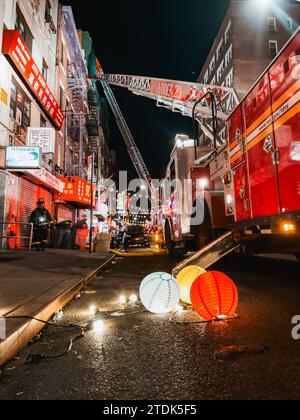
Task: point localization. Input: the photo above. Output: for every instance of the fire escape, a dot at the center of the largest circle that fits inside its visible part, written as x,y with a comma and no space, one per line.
77,122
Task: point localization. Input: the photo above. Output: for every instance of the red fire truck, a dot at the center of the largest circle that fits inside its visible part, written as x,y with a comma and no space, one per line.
257,176
251,183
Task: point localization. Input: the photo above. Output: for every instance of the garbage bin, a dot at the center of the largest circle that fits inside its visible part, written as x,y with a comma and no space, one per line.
68,239
81,238
61,236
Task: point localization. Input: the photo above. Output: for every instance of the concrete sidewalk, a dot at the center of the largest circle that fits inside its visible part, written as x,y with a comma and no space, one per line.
39,286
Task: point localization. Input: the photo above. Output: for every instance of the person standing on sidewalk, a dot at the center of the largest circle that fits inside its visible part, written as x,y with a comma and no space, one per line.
41,220
123,232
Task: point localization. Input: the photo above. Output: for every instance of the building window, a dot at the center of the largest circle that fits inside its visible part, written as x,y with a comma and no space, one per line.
220,72
43,122
23,29
61,98
230,79
213,82
20,106
273,48
45,70
219,50
272,24
212,65
48,11
228,33
206,78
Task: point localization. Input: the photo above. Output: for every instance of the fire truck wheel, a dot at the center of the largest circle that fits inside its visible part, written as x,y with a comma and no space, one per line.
297,256
171,249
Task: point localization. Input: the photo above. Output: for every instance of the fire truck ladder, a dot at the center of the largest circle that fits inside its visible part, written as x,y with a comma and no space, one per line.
194,100
132,148
188,98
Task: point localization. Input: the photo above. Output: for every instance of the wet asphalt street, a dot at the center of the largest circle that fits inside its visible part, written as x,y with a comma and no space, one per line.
149,357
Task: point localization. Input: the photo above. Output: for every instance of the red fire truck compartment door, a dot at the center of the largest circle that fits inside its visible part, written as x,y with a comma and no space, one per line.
285,89
242,205
263,179
238,164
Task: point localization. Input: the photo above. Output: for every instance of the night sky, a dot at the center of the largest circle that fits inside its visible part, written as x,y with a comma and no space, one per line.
159,38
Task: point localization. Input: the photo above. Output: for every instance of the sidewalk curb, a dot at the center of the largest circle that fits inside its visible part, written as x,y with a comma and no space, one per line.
23,334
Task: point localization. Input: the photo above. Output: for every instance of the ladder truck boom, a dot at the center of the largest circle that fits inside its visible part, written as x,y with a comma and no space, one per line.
133,151
188,98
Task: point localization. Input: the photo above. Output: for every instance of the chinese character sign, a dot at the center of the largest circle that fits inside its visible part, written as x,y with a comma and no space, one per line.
15,50
43,138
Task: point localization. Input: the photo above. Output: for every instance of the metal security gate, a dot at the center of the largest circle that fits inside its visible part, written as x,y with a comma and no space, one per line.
65,213
29,194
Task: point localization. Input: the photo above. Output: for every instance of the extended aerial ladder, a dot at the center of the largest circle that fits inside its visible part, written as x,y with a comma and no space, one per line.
190,99
133,151
204,103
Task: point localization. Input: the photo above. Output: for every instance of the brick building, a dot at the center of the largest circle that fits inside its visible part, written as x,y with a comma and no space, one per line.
249,38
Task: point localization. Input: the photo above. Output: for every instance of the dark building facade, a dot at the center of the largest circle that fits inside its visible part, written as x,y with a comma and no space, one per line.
250,37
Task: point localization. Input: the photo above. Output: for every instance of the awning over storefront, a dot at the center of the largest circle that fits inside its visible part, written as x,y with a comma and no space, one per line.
77,191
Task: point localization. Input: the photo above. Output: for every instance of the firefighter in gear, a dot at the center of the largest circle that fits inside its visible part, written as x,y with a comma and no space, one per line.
41,220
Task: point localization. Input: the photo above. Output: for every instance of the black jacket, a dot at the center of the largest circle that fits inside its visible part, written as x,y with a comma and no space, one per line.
40,217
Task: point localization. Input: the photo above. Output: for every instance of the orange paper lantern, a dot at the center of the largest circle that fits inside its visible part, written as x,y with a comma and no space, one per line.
214,295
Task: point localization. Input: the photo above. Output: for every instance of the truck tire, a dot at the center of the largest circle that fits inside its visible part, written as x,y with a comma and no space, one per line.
170,244
204,234
298,257
175,252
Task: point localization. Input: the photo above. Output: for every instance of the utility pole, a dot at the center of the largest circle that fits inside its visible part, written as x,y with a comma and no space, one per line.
92,204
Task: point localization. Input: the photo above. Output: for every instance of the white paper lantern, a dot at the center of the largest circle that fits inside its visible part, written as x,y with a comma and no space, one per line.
159,293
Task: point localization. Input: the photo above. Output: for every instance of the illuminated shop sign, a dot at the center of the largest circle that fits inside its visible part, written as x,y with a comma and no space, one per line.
77,190
15,50
23,158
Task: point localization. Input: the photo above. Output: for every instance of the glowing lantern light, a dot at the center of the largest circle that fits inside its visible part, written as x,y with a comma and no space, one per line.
159,293
185,279
214,296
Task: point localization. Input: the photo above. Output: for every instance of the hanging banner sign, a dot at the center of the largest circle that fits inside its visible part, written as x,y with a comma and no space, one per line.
77,190
16,51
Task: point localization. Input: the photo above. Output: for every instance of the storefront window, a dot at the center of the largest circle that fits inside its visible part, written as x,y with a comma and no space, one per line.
20,106
23,29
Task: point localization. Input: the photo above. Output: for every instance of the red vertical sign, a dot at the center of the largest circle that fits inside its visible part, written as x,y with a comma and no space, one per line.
15,50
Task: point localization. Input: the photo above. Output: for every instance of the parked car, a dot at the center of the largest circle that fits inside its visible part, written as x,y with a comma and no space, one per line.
137,237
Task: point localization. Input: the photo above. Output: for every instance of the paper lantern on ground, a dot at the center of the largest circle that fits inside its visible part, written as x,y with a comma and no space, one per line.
214,295
159,293
185,279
